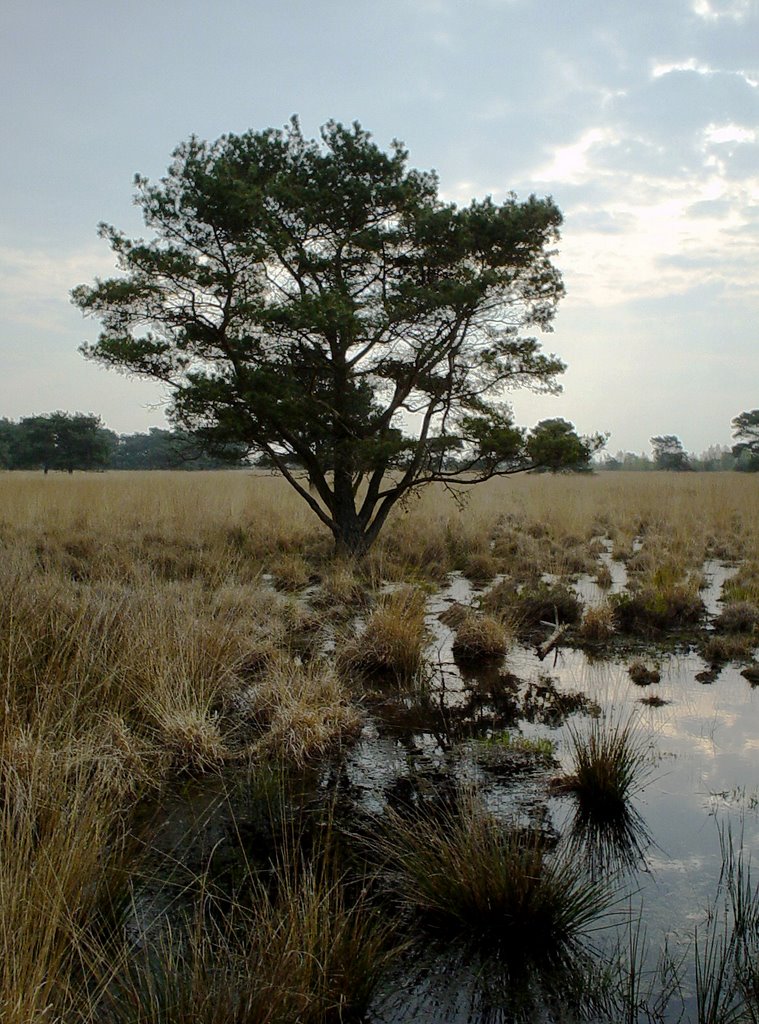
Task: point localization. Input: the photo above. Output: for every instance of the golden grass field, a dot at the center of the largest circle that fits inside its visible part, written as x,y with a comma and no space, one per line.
136,609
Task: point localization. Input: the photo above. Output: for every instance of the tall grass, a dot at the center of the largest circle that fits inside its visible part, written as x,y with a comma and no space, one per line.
308,947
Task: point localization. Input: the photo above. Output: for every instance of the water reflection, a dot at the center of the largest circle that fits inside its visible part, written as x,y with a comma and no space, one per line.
609,845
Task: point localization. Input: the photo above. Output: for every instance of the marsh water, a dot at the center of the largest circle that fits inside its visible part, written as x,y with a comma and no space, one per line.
700,790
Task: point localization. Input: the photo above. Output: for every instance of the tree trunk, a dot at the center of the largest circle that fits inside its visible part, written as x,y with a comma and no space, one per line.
350,538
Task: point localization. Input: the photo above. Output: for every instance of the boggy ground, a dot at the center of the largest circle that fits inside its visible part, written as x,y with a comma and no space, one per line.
185,643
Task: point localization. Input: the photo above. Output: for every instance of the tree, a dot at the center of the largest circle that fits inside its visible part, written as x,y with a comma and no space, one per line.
61,440
8,431
746,434
669,453
318,303
165,449
555,445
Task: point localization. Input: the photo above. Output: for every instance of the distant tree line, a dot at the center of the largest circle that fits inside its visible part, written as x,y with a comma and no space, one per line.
668,452
77,441
66,442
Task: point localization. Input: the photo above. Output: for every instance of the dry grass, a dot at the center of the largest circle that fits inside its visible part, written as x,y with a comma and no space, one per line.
302,710
139,639
59,841
480,637
392,640
597,626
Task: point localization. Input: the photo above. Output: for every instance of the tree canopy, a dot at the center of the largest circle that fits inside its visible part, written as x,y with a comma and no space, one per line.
669,453
318,303
746,435
56,440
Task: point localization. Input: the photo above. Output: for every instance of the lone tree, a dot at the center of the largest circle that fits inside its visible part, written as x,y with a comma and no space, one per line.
669,453
746,435
317,302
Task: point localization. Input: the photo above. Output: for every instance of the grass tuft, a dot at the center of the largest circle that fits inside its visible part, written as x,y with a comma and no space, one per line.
392,642
467,873
480,637
609,764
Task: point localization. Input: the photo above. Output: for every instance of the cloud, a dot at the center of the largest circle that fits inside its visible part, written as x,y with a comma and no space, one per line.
35,284
572,162
719,134
732,10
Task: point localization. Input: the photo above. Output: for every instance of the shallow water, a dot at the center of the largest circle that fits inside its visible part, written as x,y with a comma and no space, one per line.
702,741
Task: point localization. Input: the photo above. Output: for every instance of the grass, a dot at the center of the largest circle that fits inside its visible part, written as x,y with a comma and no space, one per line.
608,765
309,947
392,641
468,874
141,640
597,626
538,746
480,638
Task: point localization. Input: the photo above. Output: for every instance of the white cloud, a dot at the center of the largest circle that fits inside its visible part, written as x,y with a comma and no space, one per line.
659,70
718,134
733,10
571,163
691,64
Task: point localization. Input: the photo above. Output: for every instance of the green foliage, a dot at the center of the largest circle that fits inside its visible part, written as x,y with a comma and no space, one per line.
746,434
167,449
303,299
669,453
540,746
57,440
555,445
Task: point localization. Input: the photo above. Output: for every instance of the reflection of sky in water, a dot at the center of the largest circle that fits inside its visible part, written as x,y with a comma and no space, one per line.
702,742
703,745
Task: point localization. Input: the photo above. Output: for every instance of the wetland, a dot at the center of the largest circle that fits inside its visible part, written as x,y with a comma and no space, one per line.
504,769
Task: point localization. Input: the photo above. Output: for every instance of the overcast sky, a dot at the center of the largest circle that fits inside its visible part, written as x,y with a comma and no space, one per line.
641,119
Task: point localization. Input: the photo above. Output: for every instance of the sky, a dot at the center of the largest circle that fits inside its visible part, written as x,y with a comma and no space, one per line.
640,119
